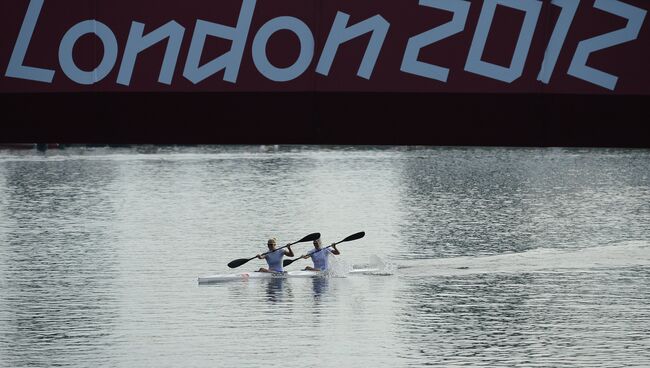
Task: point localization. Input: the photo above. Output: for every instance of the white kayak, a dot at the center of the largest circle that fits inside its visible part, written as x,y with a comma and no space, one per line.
272,275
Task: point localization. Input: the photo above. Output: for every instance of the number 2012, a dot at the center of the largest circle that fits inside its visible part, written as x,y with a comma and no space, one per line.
532,8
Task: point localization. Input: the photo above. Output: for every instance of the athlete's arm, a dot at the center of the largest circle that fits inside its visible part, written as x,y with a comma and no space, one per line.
288,252
335,251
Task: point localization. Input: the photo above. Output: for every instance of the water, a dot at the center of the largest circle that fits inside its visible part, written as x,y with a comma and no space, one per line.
502,257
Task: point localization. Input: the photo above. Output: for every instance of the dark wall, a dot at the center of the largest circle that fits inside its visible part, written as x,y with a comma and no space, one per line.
329,118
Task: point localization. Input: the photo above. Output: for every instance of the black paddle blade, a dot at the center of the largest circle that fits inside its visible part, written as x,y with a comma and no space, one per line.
287,262
354,236
238,262
310,237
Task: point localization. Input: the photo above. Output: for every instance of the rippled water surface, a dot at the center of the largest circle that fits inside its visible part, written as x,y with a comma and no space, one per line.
497,257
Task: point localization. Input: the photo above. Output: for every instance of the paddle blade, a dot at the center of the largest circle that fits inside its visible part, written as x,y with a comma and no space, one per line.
310,237
354,237
238,262
287,262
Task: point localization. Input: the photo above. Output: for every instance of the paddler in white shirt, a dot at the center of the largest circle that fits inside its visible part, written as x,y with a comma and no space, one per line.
320,256
274,258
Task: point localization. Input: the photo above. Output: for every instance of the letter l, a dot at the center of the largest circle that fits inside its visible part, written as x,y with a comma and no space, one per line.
16,69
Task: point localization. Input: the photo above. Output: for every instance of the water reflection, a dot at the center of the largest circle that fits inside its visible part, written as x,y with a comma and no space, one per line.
320,286
537,319
477,316
493,200
58,269
277,290
474,202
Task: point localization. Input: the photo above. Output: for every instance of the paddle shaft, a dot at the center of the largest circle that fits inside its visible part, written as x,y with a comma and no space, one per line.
290,261
349,238
329,246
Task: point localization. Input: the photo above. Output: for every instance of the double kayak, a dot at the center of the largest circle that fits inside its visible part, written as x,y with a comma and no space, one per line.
277,275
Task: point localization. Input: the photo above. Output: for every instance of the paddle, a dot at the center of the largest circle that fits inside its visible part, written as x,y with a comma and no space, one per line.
349,238
238,262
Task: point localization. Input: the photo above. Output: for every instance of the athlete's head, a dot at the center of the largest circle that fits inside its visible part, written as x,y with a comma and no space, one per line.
317,243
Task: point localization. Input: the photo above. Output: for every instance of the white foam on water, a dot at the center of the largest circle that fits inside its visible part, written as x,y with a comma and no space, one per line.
337,267
383,268
624,254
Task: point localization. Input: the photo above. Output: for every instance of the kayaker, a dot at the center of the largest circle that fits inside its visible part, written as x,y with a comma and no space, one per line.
274,258
320,256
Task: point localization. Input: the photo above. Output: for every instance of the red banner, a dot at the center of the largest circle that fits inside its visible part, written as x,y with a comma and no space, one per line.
439,46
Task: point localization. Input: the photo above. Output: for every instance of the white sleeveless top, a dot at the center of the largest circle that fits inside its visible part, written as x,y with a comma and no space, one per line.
320,258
